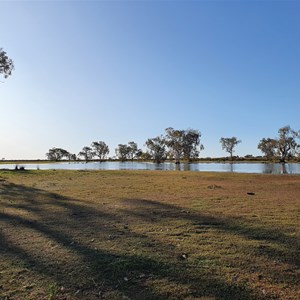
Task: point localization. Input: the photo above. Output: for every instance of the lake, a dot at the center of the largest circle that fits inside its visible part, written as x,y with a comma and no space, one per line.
260,168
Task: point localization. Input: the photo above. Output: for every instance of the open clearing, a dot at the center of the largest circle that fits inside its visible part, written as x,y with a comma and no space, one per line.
148,235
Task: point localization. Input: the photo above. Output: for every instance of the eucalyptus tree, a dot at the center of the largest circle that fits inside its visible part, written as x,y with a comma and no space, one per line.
6,64
139,154
183,144
132,150
191,144
72,156
285,146
228,144
144,155
129,151
57,154
122,152
268,147
174,141
157,148
100,149
87,153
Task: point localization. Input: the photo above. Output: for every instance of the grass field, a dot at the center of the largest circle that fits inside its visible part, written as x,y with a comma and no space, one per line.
148,235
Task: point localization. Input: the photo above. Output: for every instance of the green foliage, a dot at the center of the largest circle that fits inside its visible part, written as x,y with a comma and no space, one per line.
157,148
286,142
228,144
174,141
285,146
191,142
6,64
122,152
268,147
53,289
181,144
129,151
57,154
100,149
87,153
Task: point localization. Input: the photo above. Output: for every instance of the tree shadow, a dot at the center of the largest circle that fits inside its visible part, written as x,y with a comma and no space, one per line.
155,211
97,251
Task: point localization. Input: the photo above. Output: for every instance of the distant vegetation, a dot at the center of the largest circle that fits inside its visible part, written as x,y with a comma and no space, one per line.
185,145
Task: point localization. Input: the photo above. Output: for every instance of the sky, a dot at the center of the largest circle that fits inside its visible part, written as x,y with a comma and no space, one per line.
120,71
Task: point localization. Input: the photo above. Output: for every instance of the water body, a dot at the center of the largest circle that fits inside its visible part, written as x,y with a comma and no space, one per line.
259,168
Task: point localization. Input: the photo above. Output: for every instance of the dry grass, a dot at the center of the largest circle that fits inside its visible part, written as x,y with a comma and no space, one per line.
148,235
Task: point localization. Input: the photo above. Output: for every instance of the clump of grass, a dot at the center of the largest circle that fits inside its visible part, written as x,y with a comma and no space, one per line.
52,290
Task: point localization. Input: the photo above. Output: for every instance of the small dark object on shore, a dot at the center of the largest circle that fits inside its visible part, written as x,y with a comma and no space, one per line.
19,169
251,193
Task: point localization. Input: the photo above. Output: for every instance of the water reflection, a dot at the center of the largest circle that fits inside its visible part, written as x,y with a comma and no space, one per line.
261,168
283,168
278,169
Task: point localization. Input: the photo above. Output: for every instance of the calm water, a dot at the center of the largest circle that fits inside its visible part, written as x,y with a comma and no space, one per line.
199,167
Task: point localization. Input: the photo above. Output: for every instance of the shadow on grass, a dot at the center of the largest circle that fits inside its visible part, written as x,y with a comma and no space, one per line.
155,211
93,251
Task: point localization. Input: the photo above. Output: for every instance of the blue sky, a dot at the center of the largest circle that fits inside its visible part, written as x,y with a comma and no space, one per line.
122,71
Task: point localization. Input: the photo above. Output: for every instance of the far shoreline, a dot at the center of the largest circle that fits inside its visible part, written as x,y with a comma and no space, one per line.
201,160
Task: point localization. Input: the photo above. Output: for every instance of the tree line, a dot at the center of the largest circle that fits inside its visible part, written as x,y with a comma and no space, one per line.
183,145
174,145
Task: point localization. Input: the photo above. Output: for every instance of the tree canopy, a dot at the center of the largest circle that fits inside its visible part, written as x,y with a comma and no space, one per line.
6,64
157,148
183,144
87,153
100,149
129,151
57,154
228,144
285,146
268,147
